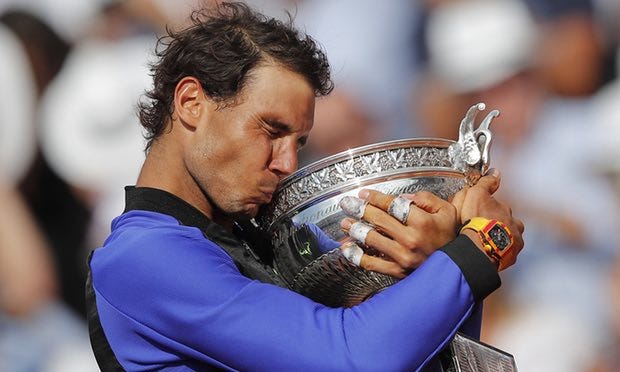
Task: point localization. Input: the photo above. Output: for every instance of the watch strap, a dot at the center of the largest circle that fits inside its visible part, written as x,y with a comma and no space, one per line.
482,226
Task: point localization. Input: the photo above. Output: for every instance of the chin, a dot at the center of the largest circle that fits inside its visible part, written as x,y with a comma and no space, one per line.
249,212
247,209
254,211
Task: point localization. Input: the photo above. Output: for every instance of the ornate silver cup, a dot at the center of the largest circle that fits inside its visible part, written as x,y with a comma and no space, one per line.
304,219
305,214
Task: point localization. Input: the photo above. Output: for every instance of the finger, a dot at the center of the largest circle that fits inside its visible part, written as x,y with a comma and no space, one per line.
396,206
457,201
392,225
399,208
490,182
357,230
361,209
356,256
428,201
382,221
383,266
405,258
353,207
429,209
368,236
380,203
377,198
352,252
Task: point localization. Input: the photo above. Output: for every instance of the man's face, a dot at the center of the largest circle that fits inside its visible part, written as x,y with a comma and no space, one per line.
241,152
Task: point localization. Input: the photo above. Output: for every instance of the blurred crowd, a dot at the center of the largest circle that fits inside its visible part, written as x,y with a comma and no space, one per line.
73,71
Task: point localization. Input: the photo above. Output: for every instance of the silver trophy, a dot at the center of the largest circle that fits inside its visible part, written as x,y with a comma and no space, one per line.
305,214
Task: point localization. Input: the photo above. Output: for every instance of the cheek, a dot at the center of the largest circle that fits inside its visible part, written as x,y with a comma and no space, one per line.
241,160
206,161
260,149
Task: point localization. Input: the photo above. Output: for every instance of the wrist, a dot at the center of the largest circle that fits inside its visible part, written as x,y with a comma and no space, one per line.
477,240
494,236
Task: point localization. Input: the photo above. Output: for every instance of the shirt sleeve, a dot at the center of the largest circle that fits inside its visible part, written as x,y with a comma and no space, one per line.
324,242
168,301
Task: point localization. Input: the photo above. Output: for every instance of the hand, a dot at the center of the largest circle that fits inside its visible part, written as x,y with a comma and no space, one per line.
478,201
402,247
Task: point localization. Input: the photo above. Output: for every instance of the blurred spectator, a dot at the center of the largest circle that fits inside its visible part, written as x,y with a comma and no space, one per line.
18,94
571,53
36,330
90,132
466,56
81,140
368,43
496,52
62,217
36,326
67,17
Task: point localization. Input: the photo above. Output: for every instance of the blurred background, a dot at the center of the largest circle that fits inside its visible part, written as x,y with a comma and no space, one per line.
72,72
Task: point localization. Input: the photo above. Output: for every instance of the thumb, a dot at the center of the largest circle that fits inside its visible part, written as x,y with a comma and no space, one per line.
490,181
458,200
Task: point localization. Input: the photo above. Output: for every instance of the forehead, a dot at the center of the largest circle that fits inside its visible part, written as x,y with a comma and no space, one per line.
276,90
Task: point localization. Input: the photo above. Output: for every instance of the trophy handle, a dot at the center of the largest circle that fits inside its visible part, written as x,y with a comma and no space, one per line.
465,354
472,147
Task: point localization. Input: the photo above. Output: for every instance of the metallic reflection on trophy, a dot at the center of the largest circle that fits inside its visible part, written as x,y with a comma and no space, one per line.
304,215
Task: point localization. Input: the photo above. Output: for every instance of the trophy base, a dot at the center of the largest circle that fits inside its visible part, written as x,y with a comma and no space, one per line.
465,354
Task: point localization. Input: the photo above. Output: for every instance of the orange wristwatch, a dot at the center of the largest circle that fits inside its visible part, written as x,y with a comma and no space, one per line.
495,235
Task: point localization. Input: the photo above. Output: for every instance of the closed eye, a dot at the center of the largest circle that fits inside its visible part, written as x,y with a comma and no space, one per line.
278,129
301,142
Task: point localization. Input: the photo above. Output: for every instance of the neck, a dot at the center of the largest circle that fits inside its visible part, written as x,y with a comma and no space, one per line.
164,169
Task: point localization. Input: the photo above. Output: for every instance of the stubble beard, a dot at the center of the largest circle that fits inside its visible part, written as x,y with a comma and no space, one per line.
231,208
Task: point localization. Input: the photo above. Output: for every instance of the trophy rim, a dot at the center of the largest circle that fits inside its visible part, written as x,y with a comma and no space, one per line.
353,167
370,181
363,150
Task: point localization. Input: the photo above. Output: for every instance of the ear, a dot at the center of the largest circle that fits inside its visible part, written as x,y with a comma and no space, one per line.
189,101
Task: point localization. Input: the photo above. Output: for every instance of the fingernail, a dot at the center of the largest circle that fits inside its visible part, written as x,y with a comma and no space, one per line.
352,206
493,172
363,194
346,223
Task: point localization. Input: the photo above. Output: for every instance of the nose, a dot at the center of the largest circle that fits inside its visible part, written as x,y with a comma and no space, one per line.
284,158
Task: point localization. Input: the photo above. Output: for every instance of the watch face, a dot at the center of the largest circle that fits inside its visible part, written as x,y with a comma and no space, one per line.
500,237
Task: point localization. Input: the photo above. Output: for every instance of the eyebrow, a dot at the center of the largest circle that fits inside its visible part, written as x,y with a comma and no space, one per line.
279,125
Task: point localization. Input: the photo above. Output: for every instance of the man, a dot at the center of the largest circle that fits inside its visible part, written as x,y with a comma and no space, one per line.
175,288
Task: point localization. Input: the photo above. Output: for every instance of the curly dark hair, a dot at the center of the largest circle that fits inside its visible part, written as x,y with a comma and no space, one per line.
220,48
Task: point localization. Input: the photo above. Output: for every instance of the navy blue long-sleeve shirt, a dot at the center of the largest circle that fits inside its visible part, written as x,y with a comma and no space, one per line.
170,298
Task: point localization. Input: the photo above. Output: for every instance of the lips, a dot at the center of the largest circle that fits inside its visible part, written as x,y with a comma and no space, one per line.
268,189
265,195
